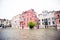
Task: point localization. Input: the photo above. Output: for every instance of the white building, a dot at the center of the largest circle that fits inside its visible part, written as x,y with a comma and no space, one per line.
46,16
5,23
16,21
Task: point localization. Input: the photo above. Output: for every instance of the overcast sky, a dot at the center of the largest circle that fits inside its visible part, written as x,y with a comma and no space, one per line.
10,8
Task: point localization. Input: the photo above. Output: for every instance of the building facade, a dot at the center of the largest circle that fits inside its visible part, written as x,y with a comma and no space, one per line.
26,17
57,18
15,21
46,17
5,23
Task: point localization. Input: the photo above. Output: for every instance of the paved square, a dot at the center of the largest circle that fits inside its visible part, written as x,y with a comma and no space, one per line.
34,34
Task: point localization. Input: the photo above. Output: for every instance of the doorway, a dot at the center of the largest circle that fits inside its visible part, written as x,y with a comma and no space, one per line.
46,23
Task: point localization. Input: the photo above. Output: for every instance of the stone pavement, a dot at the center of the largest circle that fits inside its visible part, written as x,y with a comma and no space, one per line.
25,34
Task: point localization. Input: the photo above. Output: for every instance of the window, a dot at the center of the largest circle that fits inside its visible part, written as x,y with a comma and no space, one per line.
30,19
45,20
46,23
42,23
35,16
35,20
45,14
42,19
39,23
27,14
24,19
58,16
22,16
48,18
7,22
39,20
32,9
53,22
49,23
53,18
27,19
59,21
15,21
24,23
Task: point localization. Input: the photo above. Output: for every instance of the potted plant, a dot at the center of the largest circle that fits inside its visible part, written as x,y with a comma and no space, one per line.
31,24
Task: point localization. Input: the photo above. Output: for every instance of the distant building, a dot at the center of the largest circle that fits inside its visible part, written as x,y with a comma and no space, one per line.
15,21
26,17
46,17
21,22
57,18
5,23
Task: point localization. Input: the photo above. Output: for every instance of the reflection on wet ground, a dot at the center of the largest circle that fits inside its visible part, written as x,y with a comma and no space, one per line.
34,34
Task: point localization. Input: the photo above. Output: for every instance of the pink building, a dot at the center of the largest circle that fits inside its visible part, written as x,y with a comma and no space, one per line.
26,17
57,18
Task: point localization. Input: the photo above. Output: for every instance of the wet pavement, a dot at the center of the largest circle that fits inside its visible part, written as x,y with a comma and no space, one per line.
25,34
